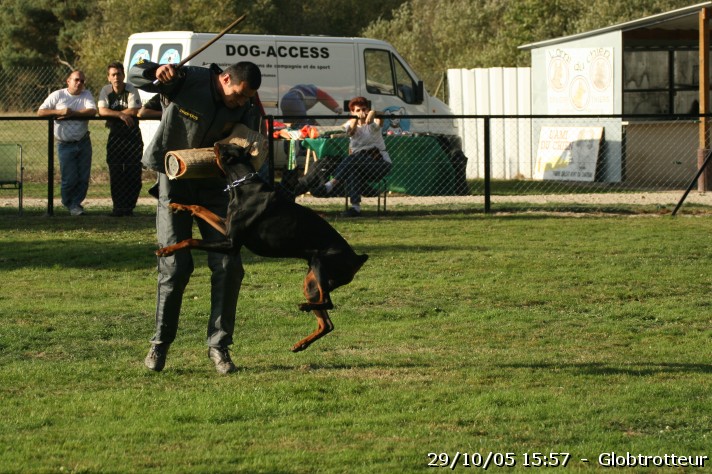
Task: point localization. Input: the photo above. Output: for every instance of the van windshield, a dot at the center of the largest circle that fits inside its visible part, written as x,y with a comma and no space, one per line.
385,75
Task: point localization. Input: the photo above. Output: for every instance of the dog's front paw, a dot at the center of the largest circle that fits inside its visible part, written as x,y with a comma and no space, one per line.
175,207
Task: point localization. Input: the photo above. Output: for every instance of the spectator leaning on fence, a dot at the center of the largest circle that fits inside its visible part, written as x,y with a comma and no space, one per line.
368,160
124,146
72,136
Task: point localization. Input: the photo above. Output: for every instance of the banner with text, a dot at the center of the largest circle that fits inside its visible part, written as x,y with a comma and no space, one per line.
568,153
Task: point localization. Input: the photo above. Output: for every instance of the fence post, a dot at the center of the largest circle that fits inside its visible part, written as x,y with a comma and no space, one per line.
703,183
50,167
270,144
487,170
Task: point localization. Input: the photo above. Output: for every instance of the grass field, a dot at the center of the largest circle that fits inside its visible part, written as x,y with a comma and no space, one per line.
462,334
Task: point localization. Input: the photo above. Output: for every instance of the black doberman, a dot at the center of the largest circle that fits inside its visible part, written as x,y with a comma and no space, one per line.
272,225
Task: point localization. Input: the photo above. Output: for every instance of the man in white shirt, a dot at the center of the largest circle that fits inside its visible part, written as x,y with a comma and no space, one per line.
72,136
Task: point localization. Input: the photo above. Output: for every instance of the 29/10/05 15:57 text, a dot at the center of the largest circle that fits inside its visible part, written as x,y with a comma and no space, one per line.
555,459
486,460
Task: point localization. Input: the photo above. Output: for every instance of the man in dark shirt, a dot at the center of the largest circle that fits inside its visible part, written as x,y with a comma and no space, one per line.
125,146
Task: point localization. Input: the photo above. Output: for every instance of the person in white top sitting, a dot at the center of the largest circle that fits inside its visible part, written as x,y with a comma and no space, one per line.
368,160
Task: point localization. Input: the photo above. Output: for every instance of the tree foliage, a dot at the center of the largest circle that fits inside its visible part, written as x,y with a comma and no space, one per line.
318,17
37,32
434,36
105,35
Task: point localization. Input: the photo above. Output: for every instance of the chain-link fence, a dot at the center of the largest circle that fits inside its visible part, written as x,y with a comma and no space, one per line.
555,163
108,182
512,164
597,162
23,89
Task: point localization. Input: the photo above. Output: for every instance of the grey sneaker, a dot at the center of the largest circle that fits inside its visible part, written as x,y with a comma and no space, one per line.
351,212
156,358
76,211
221,357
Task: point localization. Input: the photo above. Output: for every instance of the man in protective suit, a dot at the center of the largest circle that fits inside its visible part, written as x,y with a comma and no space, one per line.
205,105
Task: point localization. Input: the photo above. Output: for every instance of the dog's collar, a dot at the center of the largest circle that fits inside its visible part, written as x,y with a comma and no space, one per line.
239,182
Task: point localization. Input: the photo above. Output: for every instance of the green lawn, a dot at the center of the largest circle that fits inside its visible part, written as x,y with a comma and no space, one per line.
463,334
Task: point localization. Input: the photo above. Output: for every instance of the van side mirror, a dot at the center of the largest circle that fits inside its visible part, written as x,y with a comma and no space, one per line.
419,93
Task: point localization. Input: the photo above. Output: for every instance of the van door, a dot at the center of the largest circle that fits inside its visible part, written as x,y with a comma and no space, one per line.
392,89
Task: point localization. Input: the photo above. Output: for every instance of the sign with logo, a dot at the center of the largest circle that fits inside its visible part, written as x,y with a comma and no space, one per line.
568,153
580,80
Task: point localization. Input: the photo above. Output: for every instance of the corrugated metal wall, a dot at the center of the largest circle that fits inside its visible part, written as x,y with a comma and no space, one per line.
494,91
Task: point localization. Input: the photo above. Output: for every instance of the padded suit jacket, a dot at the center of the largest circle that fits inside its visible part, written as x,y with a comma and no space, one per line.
196,116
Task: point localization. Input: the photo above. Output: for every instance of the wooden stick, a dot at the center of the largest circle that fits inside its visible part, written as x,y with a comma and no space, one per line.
208,44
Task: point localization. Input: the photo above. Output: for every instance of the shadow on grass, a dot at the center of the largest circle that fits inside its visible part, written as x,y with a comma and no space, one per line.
333,216
531,211
92,241
595,368
98,241
537,211
94,216
101,242
95,253
363,364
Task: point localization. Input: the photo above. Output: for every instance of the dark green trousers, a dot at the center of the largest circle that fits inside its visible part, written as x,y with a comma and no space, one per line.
174,272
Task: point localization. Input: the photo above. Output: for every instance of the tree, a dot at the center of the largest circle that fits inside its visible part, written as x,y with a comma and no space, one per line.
434,36
611,12
37,48
105,34
318,17
40,32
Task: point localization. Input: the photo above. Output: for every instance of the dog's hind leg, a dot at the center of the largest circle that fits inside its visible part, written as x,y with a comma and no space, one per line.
215,221
318,301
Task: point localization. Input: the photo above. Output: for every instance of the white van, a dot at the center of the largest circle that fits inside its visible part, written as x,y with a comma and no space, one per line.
338,69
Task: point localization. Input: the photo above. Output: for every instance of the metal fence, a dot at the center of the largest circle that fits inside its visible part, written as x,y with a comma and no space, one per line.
554,163
492,164
586,162
23,89
41,178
